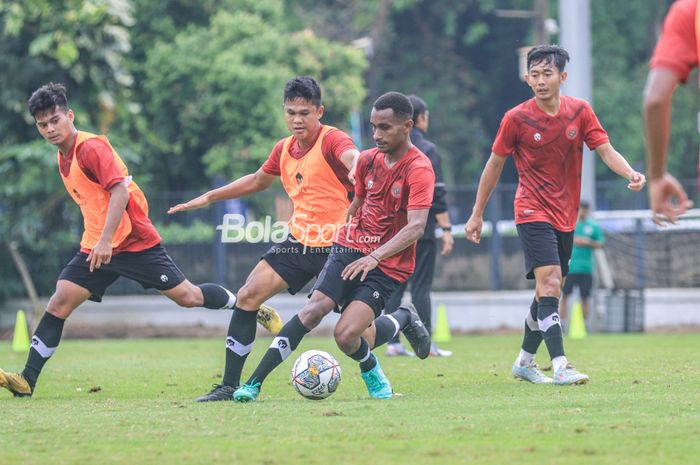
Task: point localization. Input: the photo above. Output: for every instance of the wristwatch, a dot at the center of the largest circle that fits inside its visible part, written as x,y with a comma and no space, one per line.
446,228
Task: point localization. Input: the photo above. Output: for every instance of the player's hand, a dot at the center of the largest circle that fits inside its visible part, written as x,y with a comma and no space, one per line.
447,243
351,174
637,181
199,202
473,228
360,267
100,255
667,200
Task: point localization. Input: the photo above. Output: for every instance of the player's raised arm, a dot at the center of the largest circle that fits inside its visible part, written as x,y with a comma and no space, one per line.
487,183
246,185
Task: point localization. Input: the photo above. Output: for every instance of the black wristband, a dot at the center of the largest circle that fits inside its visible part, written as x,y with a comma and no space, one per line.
446,228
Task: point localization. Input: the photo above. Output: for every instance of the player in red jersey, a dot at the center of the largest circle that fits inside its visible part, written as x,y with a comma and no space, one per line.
371,255
675,56
545,135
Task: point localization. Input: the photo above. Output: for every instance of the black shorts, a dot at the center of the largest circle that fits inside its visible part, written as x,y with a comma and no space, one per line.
295,263
543,245
583,281
375,290
151,268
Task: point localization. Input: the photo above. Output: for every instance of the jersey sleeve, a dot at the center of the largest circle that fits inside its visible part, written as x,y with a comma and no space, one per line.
676,49
334,144
593,133
98,163
506,138
421,183
272,164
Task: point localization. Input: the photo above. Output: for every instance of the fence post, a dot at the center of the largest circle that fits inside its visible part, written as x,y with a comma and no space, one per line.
494,208
639,257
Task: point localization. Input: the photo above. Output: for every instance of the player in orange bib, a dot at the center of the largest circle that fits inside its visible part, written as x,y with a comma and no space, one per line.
316,165
118,238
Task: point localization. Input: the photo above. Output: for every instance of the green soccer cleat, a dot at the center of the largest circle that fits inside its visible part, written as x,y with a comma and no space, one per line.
377,383
568,375
247,392
530,373
269,319
15,383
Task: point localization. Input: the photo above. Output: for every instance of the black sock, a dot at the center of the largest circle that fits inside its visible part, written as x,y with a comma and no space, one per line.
239,343
364,356
44,344
402,316
217,297
386,329
282,347
548,320
533,337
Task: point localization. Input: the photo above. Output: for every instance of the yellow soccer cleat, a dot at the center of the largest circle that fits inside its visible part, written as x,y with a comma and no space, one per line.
269,319
15,383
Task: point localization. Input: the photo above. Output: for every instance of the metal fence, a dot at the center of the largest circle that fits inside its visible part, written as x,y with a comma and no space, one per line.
496,263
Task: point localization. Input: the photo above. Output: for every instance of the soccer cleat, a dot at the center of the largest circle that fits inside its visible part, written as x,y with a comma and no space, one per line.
530,373
269,319
397,349
219,392
416,334
377,383
15,383
435,351
247,392
568,375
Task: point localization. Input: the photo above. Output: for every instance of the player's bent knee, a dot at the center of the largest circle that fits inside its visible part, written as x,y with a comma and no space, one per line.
345,337
248,297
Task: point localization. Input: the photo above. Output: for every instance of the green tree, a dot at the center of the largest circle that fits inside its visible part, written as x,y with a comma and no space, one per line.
221,99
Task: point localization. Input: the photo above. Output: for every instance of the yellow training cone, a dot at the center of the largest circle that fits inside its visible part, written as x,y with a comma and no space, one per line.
441,330
577,326
20,340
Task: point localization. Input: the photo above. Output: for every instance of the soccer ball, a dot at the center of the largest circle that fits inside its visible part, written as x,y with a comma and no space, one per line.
316,374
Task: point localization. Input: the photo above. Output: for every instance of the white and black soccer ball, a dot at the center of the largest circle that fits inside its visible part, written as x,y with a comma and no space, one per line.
316,374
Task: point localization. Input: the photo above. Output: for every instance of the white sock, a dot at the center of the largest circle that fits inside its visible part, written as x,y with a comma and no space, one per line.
231,298
559,362
525,358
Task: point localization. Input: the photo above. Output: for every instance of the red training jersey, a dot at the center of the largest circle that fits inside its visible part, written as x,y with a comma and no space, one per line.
676,49
96,160
389,193
334,144
548,155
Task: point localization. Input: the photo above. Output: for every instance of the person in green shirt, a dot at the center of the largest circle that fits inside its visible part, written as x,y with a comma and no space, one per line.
587,237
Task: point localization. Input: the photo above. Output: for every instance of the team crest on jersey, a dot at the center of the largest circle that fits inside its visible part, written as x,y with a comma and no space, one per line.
299,178
571,132
538,137
370,184
396,190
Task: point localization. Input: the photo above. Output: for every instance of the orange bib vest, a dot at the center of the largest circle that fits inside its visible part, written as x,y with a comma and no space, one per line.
93,200
320,199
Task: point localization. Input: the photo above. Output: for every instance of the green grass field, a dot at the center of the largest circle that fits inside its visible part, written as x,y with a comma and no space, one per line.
642,406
